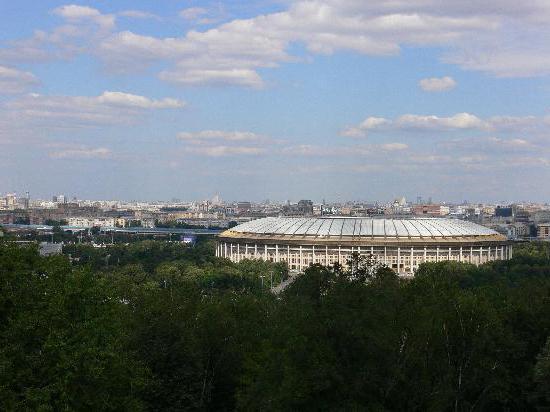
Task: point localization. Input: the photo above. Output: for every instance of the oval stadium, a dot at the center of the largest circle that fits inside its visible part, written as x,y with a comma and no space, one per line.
401,244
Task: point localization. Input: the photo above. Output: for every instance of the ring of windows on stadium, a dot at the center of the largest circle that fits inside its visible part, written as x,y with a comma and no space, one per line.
401,244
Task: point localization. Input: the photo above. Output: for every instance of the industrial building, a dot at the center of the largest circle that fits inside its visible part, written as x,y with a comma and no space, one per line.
401,244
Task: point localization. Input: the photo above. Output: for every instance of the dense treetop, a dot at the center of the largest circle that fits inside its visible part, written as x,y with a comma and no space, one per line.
161,326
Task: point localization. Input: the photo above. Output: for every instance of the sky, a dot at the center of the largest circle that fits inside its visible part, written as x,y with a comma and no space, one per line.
337,99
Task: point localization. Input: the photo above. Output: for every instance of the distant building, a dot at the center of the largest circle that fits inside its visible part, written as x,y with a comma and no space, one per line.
430,210
243,207
10,201
89,222
305,207
522,215
543,231
504,211
513,230
50,249
541,216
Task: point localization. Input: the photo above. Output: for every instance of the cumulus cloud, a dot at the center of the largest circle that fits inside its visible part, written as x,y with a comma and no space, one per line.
209,135
75,13
457,121
415,122
221,150
13,81
192,13
82,153
82,29
59,112
138,14
394,146
132,100
437,84
501,40
233,52
217,143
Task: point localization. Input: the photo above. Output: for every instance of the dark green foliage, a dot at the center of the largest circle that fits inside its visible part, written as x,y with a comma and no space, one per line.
62,338
162,326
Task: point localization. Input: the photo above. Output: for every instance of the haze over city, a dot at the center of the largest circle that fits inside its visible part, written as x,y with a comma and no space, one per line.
342,100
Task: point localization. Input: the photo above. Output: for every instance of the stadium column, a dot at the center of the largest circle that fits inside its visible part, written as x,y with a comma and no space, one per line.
425,253
461,254
449,256
411,262
255,251
225,250
313,254
326,255
437,254
276,252
339,254
471,253
265,252
238,252
398,259
481,254
288,254
246,250
301,261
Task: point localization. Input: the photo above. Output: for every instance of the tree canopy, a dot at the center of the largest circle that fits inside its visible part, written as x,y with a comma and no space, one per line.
157,326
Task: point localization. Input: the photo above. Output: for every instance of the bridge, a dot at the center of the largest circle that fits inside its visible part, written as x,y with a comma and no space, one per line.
132,230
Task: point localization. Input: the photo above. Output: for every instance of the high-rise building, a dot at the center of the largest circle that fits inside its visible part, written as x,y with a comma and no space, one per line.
305,207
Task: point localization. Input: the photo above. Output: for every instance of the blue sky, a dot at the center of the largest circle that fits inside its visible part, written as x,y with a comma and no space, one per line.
276,100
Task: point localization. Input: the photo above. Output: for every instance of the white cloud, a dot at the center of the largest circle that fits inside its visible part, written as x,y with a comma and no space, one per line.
192,13
138,14
60,112
370,123
394,146
13,81
217,143
209,135
222,150
437,84
236,77
75,13
502,40
514,143
233,52
457,121
82,153
132,100
373,123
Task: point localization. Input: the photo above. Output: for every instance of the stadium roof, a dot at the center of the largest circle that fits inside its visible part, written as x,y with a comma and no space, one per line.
361,227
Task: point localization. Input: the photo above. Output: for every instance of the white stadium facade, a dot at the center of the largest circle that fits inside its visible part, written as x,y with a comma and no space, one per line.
401,244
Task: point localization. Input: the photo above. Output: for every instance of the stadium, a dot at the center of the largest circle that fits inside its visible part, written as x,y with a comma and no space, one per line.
401,244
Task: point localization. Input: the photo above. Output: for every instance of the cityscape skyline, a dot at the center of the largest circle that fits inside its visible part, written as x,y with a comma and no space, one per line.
276,100
413,199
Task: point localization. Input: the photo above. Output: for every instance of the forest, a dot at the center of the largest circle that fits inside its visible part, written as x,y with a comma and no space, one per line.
161,326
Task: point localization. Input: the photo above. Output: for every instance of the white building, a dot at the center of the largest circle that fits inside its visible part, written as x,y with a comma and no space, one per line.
401,244
89,222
